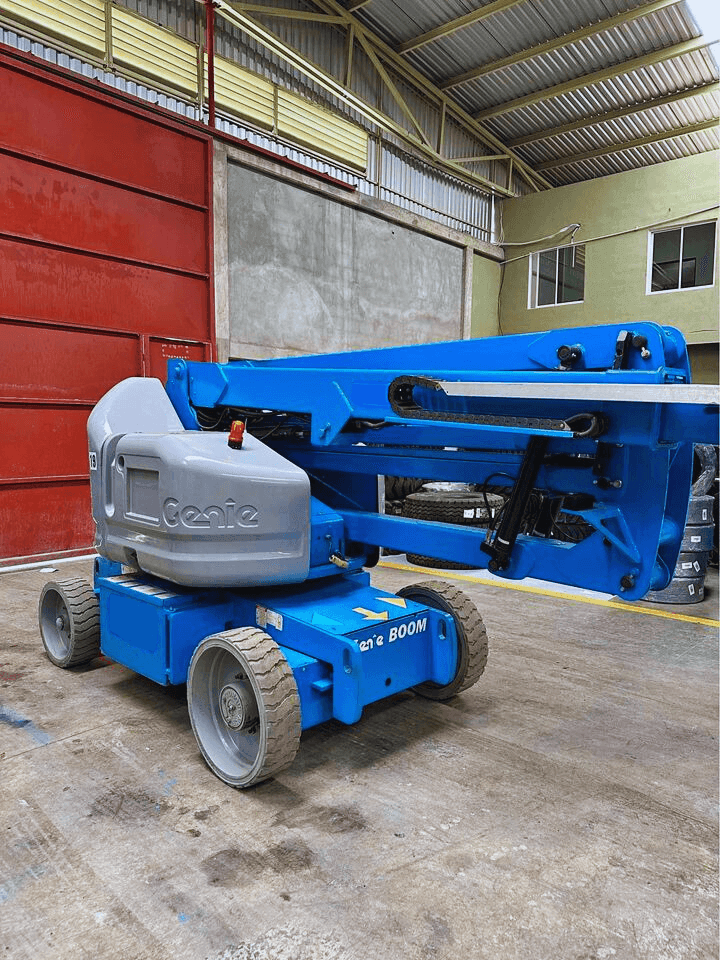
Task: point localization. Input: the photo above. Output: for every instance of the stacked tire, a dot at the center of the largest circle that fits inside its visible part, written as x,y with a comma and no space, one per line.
688,582
396,489
459,507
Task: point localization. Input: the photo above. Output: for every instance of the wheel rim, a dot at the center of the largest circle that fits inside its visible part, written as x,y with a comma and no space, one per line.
226,713
55,625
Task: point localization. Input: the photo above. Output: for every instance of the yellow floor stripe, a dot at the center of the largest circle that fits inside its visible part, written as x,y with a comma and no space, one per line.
556,594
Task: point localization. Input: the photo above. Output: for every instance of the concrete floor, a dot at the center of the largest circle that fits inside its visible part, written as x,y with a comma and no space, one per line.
565,808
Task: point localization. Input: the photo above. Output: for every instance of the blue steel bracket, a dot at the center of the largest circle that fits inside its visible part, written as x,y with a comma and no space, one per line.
376,643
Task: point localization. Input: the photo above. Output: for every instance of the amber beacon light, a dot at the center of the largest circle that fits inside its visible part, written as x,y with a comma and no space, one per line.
237,432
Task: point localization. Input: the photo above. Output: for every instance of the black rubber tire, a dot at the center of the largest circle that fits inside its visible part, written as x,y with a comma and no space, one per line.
697,539
705,468
691,565
679,591
247,657
471,635
700,511
397,488
449,507
76,639
569,528
716,521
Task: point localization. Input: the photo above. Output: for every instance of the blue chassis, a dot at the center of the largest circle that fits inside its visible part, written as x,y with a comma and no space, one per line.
350,645
347,644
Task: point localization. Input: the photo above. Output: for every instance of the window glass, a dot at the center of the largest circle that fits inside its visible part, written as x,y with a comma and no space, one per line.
666,260
698,255
571,274
683,258
557,276
547,270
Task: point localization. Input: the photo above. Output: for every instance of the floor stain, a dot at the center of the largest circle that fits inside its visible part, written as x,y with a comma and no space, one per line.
233,866
329,819
12,718
7,677
128,806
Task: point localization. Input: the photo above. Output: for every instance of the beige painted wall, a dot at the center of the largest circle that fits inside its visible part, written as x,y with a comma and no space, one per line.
616,268
485,295
704,362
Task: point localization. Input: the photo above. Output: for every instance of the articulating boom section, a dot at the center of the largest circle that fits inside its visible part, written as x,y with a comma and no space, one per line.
598,422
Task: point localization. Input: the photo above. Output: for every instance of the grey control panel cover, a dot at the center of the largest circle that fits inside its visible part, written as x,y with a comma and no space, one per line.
182,505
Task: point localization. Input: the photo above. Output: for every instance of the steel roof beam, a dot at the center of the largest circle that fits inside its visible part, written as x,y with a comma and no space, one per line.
628,111
598,76
452,26
628,144
394,92
428,88
290,55
557,43
281,12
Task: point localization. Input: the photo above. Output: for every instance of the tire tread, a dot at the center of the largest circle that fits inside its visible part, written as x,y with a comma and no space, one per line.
280,697
475,643
83,610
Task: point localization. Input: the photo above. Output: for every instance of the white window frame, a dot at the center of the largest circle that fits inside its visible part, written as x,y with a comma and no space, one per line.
651,246
545,306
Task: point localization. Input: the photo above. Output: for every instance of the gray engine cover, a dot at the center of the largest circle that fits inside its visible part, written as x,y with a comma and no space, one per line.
180,504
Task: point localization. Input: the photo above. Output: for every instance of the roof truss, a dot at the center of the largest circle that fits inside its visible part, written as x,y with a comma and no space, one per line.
395,72
382,56
452,26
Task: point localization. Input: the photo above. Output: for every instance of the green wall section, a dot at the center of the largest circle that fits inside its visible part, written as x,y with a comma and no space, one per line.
616,267
486,278
704,362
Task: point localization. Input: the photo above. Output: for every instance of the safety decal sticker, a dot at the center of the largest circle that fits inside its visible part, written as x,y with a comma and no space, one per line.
268,618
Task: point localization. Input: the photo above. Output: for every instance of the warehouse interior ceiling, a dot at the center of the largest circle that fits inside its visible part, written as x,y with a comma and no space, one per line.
559,90
502,97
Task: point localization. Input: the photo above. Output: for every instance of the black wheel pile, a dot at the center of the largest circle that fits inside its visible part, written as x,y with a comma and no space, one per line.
397,488
462,508
570,528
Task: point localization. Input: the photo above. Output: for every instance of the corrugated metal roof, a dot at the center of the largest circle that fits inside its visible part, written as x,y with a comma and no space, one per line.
639,87
524,25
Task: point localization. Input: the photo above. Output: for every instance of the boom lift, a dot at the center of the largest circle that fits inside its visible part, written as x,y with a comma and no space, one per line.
238,564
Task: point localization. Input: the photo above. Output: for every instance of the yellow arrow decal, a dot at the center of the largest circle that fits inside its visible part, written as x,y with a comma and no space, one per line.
370,614
396,601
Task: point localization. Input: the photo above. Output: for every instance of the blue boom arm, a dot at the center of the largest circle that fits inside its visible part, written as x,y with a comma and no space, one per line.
599,422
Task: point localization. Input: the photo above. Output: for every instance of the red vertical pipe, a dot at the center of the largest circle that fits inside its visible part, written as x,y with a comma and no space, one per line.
210,42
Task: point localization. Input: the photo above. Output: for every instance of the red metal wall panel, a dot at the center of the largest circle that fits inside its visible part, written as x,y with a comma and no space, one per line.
43,361
105,272
59,450
68,210
43,283
35,520
99,135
